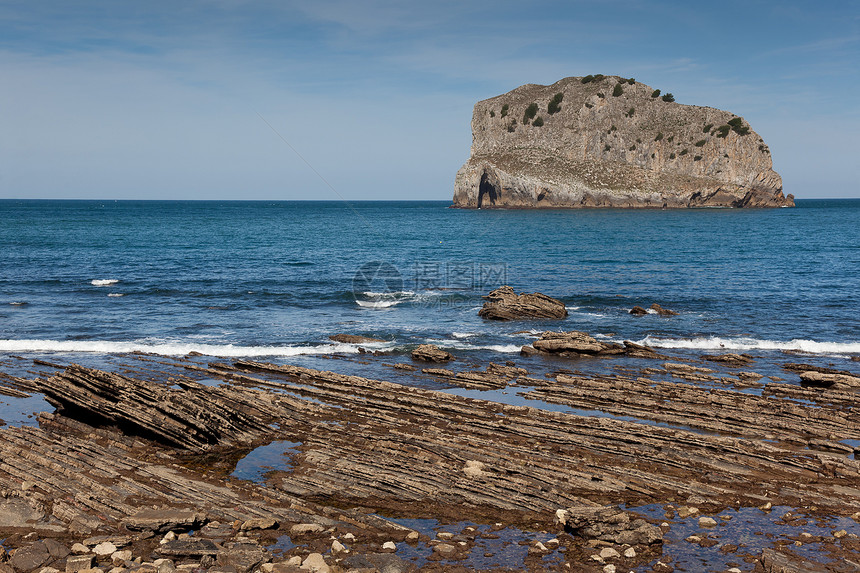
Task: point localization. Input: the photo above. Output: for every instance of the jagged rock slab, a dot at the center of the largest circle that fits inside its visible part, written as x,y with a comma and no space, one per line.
610,143
194,416
505,304
165,519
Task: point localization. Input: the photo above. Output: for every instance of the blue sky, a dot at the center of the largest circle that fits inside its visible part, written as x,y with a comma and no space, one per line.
159,100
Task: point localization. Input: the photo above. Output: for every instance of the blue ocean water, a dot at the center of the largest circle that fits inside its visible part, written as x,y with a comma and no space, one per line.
277,278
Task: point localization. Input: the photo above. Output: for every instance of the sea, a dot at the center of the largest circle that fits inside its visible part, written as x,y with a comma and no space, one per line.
274,280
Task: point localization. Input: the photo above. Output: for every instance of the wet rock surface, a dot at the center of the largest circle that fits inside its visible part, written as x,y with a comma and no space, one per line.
430,353
109,495
505,304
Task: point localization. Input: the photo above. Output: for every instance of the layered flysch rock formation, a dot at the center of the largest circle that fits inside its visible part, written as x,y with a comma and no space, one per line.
606,141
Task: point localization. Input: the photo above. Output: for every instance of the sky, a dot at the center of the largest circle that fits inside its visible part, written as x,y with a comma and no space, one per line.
372,99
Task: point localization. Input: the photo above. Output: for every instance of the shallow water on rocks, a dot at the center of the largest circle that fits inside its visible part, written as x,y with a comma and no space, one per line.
274,456
749,529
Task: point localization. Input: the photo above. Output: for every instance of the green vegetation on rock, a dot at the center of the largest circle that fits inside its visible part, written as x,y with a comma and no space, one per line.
538,122
707,127
655,94
668,97
505,109
618,90
738,126
555,103
701,142
659,136
723,130
530,113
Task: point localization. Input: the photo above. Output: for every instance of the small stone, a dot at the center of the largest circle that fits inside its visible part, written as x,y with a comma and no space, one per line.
840,534
260,523
350,537
294,561
413,537
597,558
707,522
686,511
445,535
733,570
169,536
120,557
552,542
49,570
104,549
609,568
630,553
267,567
444,549
337,547
316,564
77,563
389,546
726,517
693,539
303,528
609,553
766,507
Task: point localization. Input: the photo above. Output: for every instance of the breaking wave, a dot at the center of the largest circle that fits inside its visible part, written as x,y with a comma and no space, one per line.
168,348
103,282
718,343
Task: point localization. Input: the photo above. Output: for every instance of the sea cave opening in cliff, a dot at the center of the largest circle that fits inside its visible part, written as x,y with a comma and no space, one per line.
489,189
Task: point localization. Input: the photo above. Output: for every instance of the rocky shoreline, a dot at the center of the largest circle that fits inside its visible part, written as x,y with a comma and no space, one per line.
619,471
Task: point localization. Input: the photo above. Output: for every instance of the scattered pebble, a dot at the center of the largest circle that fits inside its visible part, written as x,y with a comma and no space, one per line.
707,522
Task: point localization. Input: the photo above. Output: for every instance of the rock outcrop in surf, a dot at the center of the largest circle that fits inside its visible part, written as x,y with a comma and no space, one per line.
607,141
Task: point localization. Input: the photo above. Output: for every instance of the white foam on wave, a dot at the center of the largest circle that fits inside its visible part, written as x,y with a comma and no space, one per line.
103,282
650,311
373,294
745,343
115,294
168,348
458,345
462,335
378,303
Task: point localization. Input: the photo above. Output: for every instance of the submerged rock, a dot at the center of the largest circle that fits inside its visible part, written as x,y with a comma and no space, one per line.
354,339
505,304
607,141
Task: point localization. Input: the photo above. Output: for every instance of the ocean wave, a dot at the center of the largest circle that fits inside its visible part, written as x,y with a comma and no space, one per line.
18,303
168,348
458,345
373,294
115,294
103,282
745,343
378,303
464,334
